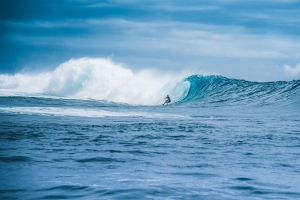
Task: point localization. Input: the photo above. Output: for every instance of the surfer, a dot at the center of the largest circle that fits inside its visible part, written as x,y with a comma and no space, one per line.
168,100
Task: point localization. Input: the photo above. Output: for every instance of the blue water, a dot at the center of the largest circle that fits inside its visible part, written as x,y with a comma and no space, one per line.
224,139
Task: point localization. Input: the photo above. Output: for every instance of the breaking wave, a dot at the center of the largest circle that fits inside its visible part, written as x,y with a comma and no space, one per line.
98,79
101,79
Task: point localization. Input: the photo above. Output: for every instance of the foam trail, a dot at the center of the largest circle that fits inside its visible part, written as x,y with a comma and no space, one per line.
99,79
75,112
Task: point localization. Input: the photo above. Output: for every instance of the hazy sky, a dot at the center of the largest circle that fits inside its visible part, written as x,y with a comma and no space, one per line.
246,39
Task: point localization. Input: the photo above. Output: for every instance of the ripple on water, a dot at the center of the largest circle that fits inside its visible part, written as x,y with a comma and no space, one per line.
99,159
67,187
244,179
14,159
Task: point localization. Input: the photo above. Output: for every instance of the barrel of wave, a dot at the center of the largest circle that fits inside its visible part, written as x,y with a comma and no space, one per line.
177,90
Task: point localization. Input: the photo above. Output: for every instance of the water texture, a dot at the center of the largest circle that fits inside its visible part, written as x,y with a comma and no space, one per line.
220,138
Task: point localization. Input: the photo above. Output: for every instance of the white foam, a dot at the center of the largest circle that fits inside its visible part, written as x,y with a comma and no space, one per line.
99,79
57,111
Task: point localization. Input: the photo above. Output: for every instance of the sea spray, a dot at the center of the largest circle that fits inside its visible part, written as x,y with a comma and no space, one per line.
99,79
24,83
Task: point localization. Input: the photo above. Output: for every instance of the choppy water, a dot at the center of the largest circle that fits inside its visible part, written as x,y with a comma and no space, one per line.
222,139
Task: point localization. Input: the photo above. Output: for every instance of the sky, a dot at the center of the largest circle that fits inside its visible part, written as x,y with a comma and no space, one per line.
250,39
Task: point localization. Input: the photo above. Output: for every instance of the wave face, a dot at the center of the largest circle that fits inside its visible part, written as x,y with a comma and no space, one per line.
218,89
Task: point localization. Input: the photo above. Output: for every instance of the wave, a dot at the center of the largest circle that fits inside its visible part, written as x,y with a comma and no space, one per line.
219,89
101,79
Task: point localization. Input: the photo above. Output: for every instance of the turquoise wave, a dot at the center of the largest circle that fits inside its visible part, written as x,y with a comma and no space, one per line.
219,89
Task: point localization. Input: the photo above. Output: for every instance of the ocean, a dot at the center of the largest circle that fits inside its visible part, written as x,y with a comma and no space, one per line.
220,138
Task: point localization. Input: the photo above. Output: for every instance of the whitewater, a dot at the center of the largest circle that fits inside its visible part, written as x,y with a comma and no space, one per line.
94,129
99,79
